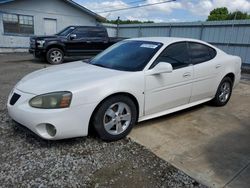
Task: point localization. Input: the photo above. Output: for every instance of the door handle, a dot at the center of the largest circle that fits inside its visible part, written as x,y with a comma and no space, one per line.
218,66
187,74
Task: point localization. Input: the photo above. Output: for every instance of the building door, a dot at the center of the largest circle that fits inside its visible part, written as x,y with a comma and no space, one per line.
50,26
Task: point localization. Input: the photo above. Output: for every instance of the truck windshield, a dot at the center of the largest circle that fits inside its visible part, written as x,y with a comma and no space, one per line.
127,55
66,31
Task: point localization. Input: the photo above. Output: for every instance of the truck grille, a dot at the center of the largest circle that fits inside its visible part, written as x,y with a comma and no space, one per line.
14,98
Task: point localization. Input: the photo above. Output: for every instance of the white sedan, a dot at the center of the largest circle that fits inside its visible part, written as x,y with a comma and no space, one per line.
132,81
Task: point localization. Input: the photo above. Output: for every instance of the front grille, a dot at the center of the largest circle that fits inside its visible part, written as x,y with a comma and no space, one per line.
14,98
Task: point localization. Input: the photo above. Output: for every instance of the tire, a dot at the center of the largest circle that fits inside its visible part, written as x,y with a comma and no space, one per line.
225,87
55,56
114,118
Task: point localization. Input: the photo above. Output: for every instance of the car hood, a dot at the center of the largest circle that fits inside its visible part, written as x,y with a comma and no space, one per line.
46,37
68,77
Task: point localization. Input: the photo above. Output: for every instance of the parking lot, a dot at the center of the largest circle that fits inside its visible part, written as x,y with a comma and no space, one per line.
28,161
210,144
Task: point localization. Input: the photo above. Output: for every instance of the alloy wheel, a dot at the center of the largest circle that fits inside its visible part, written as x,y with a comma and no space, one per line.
225,90
56,56
117,118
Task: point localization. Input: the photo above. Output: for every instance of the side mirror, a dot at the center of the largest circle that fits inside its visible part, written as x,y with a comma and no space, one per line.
161,67
72,36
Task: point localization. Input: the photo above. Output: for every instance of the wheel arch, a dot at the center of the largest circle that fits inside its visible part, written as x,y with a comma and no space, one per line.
61,47
231,75
132,97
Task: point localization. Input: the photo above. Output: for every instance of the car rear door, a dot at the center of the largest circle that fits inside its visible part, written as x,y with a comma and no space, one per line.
206,69
169,90
99,39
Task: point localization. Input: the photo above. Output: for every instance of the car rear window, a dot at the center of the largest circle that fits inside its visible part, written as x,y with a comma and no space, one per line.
200,53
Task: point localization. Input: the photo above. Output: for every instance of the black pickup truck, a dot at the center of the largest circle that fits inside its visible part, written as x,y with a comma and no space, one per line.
71,41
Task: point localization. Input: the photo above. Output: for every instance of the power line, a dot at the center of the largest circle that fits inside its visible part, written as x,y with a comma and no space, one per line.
132,2
128,3
138,6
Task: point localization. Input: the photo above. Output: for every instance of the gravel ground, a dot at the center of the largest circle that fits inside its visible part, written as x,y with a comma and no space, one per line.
28,161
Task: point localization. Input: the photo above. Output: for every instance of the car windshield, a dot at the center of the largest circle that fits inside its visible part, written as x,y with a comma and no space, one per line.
66,31
127,55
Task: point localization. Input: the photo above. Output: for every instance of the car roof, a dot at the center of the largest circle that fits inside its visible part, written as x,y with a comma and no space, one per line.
76,26
168,40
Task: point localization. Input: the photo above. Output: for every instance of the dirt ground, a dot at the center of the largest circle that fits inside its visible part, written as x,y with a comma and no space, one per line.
28,161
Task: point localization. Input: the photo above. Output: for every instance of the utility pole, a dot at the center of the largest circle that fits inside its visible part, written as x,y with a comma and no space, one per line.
118,26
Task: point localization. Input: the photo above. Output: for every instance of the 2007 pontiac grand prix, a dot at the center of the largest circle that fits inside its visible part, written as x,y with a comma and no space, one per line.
132,81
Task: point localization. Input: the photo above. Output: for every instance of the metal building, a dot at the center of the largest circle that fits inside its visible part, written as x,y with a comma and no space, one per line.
232,36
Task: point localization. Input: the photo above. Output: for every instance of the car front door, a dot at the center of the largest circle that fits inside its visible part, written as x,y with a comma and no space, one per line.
79,42
206,70
169,90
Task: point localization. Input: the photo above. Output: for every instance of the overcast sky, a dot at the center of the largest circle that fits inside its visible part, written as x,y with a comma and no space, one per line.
180,10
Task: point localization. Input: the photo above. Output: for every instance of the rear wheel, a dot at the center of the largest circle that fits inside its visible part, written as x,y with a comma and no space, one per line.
115,118
224,92
55,56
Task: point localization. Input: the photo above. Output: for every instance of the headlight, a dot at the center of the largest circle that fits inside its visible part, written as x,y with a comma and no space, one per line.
52,100
40,43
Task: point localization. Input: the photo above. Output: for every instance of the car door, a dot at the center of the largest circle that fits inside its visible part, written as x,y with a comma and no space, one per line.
99,39
168,90
206,70
80,43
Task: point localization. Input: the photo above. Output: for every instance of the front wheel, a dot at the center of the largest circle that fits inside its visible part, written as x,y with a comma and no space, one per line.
224,92
55,56
115,118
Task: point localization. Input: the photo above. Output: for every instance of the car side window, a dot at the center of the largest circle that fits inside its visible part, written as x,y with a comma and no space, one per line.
98,33
89,33
200,53
176,54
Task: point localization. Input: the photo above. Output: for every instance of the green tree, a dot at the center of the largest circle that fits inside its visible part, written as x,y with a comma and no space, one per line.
238,15
218,14
223,14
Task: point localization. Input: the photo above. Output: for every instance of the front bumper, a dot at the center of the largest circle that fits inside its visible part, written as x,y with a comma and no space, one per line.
69,122
37,52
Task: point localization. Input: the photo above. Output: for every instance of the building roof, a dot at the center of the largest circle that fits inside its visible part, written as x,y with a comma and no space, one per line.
74,4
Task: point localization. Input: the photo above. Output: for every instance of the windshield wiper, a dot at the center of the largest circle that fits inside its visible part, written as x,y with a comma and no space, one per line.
99,65
86,60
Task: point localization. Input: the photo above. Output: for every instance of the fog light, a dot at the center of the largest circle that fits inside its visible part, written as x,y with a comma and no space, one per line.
51,129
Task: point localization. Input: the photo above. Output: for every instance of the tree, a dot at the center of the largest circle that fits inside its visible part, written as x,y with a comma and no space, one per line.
238,15
223,14
218,14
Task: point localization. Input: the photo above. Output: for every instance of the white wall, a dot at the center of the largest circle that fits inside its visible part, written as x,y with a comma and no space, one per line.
64,13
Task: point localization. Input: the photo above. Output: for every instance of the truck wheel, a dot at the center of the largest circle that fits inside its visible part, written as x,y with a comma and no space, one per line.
55,56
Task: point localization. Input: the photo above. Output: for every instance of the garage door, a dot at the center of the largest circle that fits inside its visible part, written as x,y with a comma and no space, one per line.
50,26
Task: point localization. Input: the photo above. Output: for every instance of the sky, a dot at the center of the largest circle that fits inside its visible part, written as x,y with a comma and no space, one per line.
177,11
